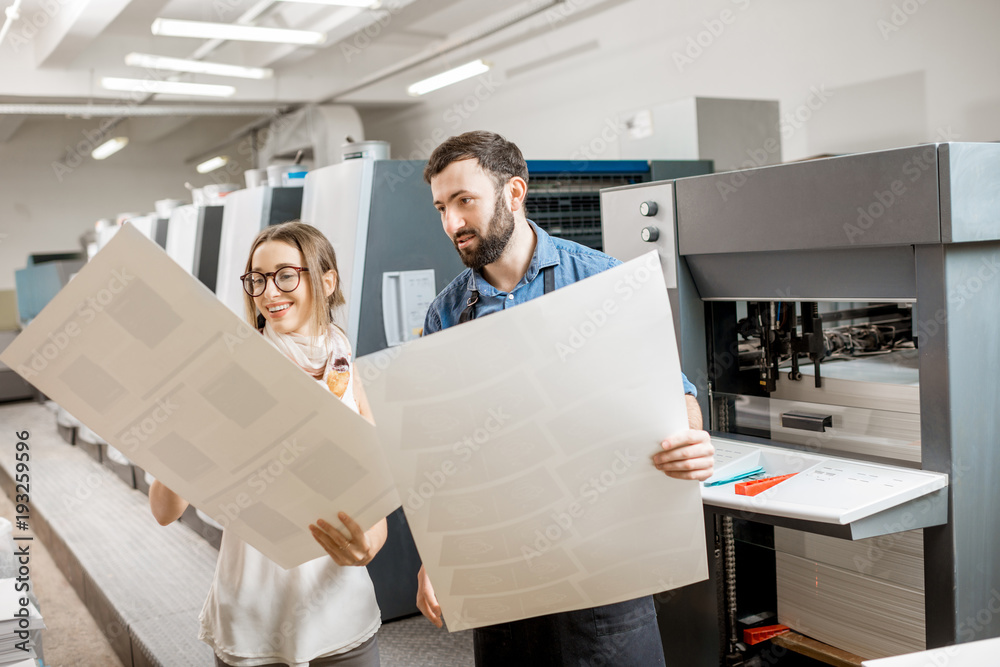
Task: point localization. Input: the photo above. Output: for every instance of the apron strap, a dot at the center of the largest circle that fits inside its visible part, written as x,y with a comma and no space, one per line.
549,275
470,307
469,313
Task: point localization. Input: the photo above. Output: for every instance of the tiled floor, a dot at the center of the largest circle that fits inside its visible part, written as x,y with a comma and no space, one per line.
144,582
72,638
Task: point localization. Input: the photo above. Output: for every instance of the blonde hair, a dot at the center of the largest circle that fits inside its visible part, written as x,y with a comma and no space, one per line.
318,256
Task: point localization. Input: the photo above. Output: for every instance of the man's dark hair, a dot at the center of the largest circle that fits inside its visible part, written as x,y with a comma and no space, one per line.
499,158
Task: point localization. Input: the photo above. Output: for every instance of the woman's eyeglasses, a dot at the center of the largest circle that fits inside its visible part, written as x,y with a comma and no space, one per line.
286,279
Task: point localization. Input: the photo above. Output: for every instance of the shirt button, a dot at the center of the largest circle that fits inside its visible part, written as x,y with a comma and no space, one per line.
510,296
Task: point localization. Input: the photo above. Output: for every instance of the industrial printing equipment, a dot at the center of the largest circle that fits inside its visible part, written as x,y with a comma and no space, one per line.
840,319
193,238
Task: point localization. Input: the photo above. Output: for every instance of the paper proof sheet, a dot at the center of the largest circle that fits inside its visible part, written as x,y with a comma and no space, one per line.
521,444
148,358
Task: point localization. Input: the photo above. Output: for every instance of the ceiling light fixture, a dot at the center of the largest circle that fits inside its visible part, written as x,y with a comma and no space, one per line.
13,13
109,148
212,164
153,86
196,66
461,73
364,4
228,31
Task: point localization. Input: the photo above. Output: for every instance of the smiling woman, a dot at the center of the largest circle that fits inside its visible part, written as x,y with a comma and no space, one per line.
291,286
286,279
286,300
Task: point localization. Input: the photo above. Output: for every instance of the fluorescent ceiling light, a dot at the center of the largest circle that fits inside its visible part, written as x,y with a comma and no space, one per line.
152,86
228,31
365,4
461,73
109,148
196,66
212,164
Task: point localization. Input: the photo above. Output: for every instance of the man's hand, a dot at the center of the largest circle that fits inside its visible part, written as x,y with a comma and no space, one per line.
427,602
686,455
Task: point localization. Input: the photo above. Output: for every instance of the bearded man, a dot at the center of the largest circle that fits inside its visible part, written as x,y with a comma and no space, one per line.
479,181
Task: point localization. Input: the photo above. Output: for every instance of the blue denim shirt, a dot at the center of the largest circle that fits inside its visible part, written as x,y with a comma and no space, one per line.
572,262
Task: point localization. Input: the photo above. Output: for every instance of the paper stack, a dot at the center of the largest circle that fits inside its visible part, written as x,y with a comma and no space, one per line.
865,597
16,620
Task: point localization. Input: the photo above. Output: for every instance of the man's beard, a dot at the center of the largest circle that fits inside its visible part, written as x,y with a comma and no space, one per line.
491,245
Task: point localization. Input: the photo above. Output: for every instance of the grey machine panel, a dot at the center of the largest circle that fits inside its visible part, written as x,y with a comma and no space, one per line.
970,192
160,231
728,128
858,274
958,324
629,210
12,386
206,249
281,205
662,170
873,199
404,234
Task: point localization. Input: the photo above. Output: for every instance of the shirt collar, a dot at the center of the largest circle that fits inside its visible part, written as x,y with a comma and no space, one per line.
545,255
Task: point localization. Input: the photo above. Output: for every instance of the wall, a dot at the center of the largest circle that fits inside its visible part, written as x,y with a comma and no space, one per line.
49,197
560,95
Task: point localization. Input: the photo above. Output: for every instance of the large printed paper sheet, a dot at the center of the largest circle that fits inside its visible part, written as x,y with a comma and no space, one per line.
147,357
521,444
971,654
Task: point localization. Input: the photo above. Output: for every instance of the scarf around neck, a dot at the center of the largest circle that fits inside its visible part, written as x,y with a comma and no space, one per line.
310,353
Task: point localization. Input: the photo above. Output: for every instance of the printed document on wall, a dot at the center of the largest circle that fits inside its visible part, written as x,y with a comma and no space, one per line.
148,358
521,444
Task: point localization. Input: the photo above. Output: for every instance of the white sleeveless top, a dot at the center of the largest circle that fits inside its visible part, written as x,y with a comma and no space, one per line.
258,613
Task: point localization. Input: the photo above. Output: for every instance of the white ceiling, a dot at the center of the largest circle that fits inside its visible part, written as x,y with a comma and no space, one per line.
81,41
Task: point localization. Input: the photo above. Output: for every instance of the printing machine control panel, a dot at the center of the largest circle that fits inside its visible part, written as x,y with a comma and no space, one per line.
649,210
826,489
787,343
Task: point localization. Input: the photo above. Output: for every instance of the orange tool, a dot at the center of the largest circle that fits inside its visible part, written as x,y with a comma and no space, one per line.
757,635
756,486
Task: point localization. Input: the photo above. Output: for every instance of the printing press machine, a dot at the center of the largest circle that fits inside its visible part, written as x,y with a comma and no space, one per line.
840,318
194,234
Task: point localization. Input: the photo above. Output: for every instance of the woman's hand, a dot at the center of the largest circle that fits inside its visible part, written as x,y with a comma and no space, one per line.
358,549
